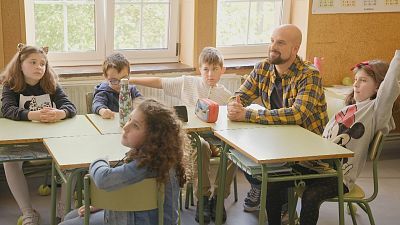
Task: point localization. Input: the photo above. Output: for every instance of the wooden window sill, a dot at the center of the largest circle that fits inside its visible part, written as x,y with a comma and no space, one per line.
78,71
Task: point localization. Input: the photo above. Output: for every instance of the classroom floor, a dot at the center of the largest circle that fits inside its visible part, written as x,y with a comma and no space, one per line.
385,208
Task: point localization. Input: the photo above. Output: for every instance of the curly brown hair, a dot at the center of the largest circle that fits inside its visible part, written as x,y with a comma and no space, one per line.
163,148
14,77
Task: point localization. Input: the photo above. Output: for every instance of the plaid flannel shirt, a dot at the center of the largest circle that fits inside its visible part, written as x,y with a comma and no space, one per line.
303,96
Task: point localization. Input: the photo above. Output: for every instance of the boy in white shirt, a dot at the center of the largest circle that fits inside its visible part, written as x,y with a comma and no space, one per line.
188,89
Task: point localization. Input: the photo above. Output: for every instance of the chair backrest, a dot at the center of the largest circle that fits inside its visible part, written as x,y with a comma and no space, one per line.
89,102
375,149
141,196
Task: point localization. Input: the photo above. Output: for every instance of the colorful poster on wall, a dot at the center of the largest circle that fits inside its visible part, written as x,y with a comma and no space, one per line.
354,6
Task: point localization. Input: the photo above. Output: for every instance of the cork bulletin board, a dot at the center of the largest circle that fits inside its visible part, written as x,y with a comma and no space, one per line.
355,6
346,39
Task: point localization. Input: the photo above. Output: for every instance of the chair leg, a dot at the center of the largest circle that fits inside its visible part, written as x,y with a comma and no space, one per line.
292,203
369,212
180,202
352,212
191,195
235,191
187,197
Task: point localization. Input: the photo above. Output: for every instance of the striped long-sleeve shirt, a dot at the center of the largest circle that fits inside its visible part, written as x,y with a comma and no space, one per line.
303,96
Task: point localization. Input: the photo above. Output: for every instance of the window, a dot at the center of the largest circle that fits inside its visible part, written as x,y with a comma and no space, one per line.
244,26
84,32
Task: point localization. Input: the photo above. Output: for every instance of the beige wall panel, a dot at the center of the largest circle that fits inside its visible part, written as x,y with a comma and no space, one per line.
12,25
1,39
187,38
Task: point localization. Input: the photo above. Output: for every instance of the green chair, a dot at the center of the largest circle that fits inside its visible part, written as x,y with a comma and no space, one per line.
89,101
357,194
144,195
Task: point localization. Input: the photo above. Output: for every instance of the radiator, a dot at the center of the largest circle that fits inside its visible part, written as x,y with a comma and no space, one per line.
76,91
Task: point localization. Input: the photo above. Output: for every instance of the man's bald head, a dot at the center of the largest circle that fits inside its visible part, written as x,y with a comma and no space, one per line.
285,44
292,32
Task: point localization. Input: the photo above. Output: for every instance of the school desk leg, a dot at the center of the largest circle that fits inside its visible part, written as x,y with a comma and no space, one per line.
53,194
76,174
199,177
340,190
221,186
263,200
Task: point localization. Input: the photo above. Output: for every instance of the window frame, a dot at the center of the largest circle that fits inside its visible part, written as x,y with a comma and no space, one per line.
70,58
104,40
147,56
255,50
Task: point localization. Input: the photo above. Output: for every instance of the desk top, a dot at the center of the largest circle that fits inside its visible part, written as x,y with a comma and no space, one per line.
105,126
79,152
223,123
194,124
111,126
27,131
282,143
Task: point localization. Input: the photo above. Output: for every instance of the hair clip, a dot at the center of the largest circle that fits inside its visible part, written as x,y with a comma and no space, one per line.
361,64
45,49
20,46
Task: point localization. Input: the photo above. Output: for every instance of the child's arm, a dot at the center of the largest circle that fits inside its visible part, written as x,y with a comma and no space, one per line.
106,113
63,103
153,82
100,105
387,94
10,105
109,179
134,92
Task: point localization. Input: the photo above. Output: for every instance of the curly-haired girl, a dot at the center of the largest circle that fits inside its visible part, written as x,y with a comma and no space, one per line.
155,136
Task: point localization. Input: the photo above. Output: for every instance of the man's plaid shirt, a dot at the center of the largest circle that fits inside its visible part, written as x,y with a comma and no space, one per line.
303,96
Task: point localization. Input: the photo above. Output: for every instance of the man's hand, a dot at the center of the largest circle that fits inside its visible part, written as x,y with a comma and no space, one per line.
236,111
106,113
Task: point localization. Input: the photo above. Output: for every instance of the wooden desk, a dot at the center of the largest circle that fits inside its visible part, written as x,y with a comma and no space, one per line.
223,123
79,152
111,126
76,153
192,127
274,144
27,131
13,132
105,126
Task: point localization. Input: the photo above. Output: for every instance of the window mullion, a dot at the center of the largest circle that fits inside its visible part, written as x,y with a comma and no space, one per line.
65,24
248,23
141,25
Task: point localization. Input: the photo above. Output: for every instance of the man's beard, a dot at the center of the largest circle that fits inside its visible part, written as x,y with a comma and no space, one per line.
277,60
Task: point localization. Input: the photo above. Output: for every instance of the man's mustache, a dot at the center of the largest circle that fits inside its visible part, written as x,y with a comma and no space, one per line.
274,51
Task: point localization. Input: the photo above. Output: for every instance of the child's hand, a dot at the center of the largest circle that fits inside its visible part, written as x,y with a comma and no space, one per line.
81,210
106,113
34,115
51,115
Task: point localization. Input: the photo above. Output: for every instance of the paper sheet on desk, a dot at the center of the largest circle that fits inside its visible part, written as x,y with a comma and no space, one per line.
256,168
255,106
